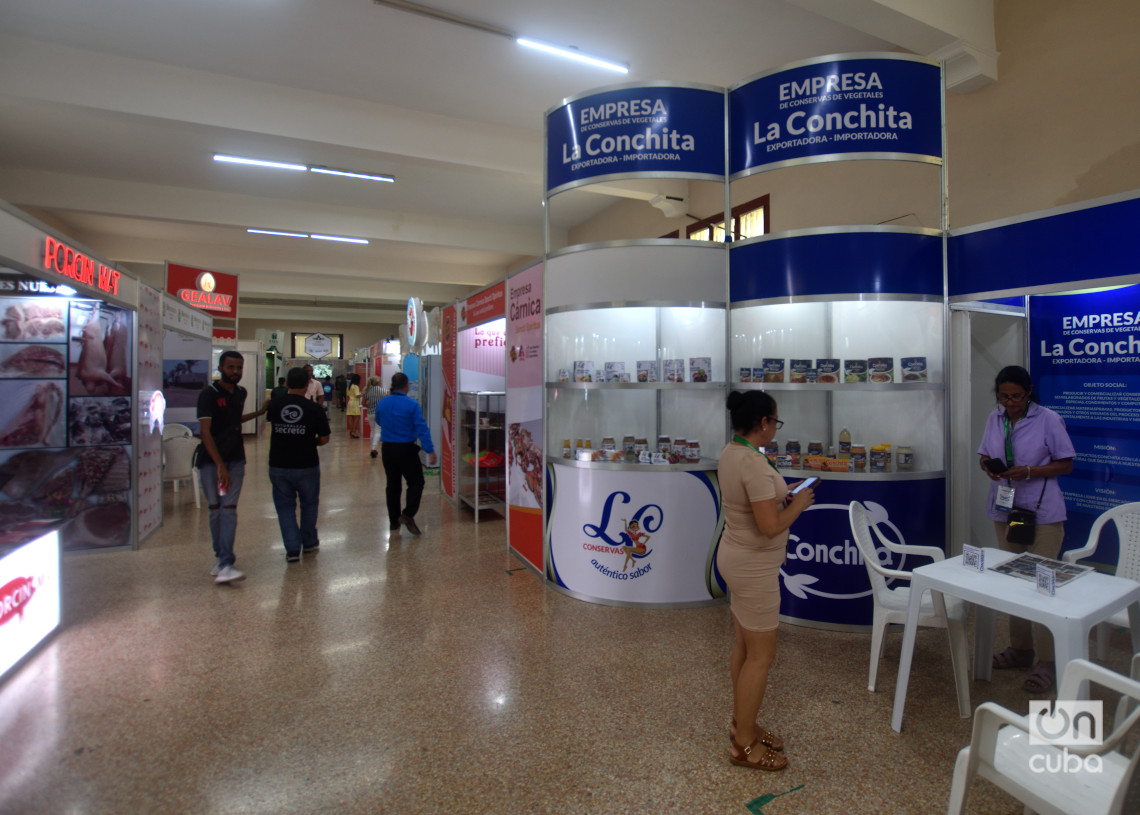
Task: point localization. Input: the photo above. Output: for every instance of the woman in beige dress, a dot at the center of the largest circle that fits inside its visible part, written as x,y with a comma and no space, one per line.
758,513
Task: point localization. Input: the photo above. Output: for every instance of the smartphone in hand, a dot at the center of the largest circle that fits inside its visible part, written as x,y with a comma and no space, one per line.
997,466
807,483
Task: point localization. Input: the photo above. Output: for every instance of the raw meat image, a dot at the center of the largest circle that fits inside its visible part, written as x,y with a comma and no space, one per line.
31,415
34,320
32,361
528,466
85,490
100,350
99,420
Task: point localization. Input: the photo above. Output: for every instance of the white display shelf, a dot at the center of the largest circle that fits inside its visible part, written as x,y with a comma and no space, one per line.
687,466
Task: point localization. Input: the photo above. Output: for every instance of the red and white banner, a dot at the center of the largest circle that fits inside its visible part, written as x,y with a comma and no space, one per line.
215,292
489,304
525,472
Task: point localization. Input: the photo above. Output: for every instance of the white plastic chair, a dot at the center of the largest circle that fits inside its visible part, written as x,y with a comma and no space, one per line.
178,464
1000,752
176,431
1127,520
891,603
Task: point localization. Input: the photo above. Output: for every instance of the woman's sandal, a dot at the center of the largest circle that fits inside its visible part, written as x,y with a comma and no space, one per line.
1041,679
767,737
766,758
1013,658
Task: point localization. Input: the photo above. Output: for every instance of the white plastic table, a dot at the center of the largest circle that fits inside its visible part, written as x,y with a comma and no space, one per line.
1069,616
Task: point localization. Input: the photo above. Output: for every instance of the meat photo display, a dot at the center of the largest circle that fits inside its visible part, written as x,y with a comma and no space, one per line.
100,358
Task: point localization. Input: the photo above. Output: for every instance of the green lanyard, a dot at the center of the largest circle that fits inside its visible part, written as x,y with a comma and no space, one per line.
752,447
1008,439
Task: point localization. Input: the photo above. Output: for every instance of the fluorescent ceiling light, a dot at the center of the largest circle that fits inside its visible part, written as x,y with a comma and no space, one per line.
348,174
275,232
314,236
256,162
570,53
338,238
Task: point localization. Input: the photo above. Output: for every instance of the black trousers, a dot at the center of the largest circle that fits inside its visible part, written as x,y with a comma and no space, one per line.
402,461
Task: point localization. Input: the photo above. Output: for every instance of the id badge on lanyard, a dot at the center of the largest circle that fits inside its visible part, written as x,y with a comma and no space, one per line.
1003,502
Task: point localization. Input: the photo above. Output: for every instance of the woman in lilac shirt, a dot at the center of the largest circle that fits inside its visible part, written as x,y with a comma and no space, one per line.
1033,441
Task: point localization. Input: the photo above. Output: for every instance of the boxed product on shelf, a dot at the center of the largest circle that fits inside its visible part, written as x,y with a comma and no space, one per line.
773,369
837,465
757,374
647,370
700,369
814,462
623,377
563,374
674,370
828,370
881,369
745,374
913,369
583,370
854,370
797,370
811,375
614,370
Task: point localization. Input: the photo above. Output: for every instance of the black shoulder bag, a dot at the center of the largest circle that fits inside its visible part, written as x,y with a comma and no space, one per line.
1022,528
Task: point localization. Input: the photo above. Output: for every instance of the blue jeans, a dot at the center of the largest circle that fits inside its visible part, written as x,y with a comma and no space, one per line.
289,485
223,509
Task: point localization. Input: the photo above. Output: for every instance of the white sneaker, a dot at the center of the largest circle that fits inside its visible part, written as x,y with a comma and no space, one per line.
214,571
228,574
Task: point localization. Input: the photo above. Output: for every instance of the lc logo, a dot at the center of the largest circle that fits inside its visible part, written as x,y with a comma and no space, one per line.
648,518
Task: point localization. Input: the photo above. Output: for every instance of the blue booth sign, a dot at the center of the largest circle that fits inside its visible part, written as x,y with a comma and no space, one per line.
1084,359
659,129
870,106
824,579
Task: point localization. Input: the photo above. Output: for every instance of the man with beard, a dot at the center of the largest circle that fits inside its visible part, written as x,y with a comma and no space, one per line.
221,458
299,428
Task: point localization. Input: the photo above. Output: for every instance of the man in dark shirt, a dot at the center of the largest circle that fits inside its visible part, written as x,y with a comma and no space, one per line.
221,458
402,422
299,428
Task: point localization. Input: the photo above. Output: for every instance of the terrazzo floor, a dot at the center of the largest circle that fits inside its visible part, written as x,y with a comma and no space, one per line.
390,674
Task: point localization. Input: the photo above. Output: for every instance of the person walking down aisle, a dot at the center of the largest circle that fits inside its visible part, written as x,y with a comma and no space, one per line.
352,411
299,428
758,512
313,390
1024,447
221,458
368,403
402,422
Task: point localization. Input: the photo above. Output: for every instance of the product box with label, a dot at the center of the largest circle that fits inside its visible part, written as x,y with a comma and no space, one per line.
614,370
881,370
913,369
773,369
745,374
828,371
583,370
647,370
854,370
700,369
837,465
797,370
674,370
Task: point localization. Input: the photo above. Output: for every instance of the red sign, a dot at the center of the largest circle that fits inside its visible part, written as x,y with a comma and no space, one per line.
14,597
62,259
486,305
225,334
215,292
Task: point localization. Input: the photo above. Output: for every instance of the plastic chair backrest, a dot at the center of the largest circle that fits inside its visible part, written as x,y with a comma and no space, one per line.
175,431
1127,520
861,531
179,455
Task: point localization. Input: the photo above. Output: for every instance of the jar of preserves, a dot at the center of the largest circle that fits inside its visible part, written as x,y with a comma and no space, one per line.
627,443
815,448
680,447
694,451
566,451
792,451
664,445
878,458
858,456
608,444
905,457
641,445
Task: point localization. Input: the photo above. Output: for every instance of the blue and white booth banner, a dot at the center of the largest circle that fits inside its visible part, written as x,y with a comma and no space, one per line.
634,537
870,106
1084,359
675,130
824,579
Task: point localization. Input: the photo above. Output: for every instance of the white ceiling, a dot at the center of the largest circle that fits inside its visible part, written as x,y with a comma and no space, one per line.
110,111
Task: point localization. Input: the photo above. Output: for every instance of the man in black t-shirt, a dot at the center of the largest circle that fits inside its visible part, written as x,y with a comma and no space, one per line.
221,458
299,428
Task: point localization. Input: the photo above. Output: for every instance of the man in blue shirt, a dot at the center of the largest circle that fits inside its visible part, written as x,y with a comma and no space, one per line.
401,423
